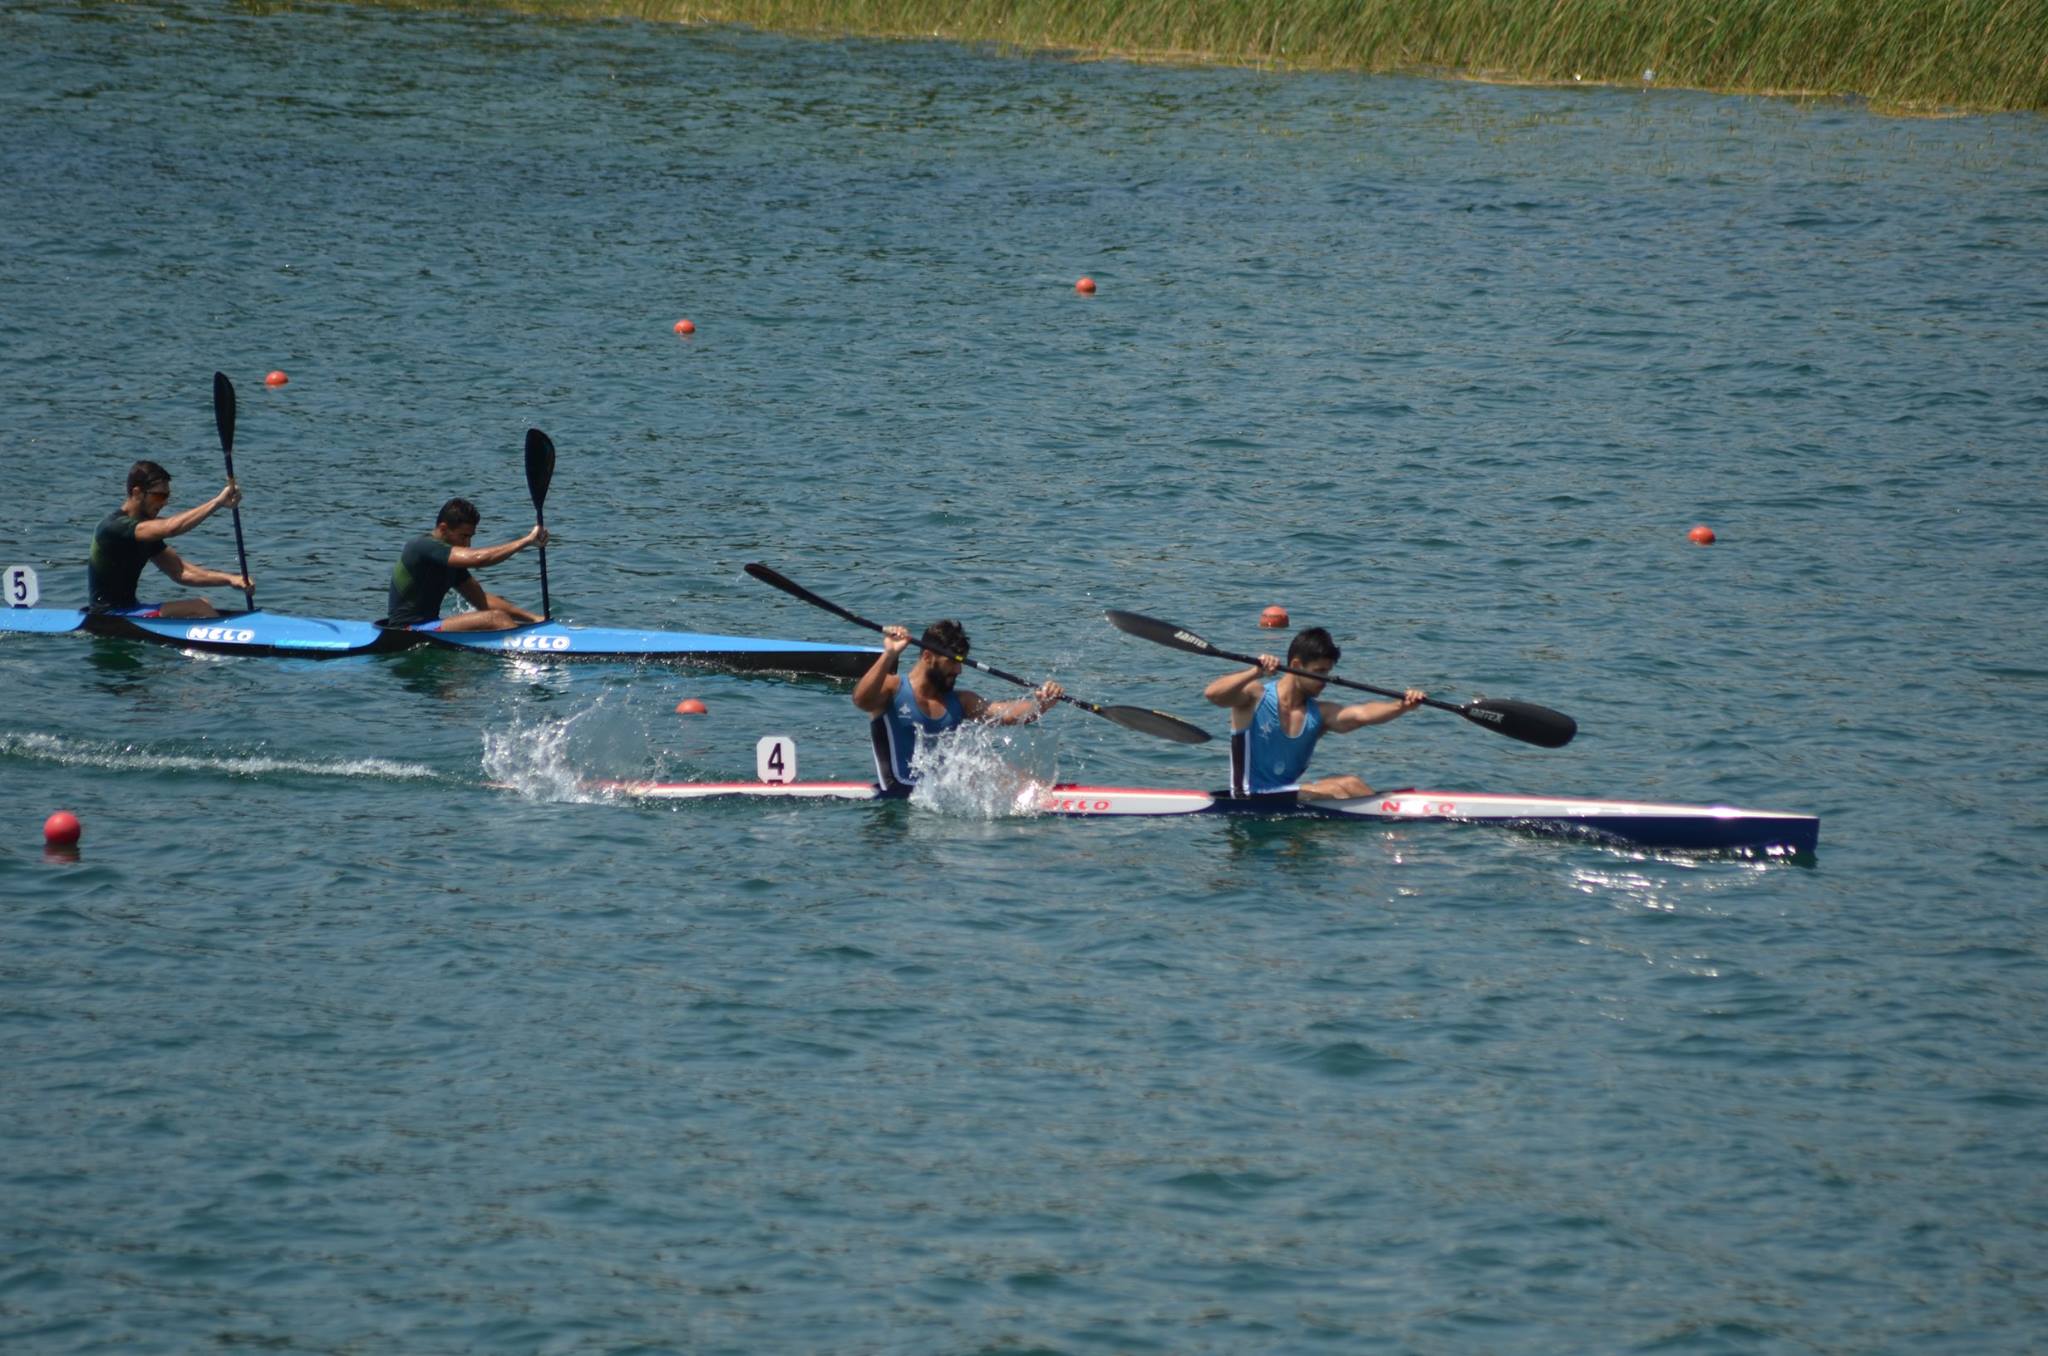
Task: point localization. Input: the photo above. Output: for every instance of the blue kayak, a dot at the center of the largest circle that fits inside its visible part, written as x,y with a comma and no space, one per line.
259,632
270,633
553,640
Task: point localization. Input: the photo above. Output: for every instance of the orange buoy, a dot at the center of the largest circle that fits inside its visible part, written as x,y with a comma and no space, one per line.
1273,618
691,706
686,327
1702,535
61,829
1086,287
276,379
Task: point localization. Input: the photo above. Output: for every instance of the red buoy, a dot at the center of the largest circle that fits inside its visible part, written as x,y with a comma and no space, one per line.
685,327
690,706
1702,535
1273,618
61,829
1086,287
276,379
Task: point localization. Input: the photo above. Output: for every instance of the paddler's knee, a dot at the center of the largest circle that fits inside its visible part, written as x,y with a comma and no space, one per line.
1336,788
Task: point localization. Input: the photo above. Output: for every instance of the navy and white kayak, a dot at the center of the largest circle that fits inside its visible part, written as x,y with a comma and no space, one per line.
258,632
553,640
272,633
1684,828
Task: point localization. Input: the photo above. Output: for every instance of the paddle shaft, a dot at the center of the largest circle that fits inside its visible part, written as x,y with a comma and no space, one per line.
547,611
1525,721
224,423
1130,717
796,590
1335,681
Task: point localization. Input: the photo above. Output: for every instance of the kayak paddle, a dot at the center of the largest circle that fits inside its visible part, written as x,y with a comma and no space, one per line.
1130,717
540,469
1526,721
224,422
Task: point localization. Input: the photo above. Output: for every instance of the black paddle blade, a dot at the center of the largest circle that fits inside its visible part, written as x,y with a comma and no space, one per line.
224,411
1155,723
540,465
1526,721
1160,632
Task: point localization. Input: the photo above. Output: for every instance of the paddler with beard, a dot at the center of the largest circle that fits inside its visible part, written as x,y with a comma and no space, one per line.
926,705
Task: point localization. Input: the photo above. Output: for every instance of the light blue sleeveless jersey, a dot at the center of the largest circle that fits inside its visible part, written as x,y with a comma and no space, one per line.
898,728
1263,758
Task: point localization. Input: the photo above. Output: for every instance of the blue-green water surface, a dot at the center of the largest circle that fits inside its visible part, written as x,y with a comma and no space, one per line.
357,1026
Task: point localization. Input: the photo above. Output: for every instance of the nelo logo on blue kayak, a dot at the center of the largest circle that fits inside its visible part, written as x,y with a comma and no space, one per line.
227,635
535,643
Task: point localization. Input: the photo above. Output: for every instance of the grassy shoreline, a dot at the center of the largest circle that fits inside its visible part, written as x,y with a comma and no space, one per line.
1902,56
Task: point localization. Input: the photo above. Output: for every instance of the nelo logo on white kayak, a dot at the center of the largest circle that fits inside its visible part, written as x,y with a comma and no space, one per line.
231,635
1082,805
535,643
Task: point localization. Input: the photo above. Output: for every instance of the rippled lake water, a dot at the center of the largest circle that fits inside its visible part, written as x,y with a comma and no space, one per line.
355,1026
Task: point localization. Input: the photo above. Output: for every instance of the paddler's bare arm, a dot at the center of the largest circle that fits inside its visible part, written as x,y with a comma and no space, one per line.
481,557
1022,711
871,694
1340,719
1241,689
161,529
196,576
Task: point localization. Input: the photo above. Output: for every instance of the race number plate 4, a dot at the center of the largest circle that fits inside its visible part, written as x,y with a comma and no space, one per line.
21,587
775,759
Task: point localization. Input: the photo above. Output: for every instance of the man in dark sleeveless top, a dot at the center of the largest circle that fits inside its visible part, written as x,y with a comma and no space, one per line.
926,705
435,562
136,534
1274,726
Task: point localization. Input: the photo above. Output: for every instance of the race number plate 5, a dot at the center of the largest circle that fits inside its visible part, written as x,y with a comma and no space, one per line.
20,586
775,759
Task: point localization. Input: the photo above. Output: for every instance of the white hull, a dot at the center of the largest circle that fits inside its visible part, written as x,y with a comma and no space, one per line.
1640,823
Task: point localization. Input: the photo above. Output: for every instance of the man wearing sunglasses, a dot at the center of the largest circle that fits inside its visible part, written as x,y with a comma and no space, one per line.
136,534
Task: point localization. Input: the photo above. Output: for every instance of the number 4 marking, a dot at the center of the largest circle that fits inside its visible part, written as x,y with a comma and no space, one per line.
775,759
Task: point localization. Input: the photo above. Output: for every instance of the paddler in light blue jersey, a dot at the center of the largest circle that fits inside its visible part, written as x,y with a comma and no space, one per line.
1274,726
926,705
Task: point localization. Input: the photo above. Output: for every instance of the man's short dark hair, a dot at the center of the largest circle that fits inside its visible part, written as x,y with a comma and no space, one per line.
947,637
144,474
458,513
1312,646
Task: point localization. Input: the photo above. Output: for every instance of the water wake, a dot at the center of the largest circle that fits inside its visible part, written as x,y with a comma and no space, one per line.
49,748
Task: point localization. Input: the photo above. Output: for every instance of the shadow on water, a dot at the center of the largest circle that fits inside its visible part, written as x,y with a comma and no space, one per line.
116,665
1288,843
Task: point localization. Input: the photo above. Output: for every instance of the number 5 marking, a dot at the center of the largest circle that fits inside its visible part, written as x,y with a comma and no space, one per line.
22,587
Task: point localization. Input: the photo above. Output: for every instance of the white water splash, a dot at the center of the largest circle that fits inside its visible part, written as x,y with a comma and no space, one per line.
50,748
970,774
553,759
